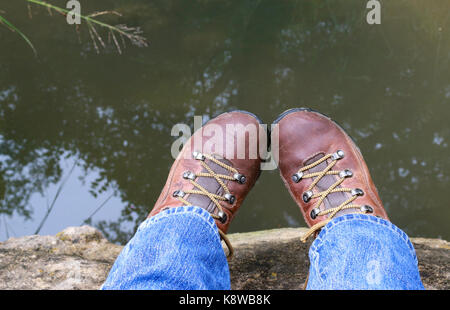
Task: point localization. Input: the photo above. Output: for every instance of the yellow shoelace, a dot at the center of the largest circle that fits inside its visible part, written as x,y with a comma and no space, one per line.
200,190
308,194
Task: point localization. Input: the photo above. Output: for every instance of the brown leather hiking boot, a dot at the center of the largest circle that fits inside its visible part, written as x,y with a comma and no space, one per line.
323,169
216,168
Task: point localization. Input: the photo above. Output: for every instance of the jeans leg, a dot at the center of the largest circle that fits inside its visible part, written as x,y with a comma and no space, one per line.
178,248
358,251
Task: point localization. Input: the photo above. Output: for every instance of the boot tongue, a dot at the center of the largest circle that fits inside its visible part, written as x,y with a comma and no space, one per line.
211,185
333,199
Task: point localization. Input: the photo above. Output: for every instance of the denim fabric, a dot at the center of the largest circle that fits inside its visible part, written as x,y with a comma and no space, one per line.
358,251
178,248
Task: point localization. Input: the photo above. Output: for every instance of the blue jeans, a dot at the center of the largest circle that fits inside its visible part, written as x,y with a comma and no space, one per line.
180,249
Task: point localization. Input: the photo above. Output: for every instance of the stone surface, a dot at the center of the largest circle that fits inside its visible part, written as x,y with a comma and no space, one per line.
80,258
76,258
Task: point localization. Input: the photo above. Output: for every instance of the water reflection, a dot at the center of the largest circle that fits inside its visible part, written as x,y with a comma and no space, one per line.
388,85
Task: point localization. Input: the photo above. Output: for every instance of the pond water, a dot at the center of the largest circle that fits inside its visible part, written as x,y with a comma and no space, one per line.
88,135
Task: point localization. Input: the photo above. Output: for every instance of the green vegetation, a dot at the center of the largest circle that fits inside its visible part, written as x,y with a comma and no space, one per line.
14,29
134,34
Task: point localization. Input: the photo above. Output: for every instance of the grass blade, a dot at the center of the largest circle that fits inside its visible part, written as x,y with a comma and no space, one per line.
14,29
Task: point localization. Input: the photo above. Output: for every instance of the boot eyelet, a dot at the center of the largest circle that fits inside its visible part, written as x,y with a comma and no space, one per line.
222,217
230,198
240,178
198,156
178,193
357,192
338,155
314,213
307,196
366,208
188,175
345,173
297,177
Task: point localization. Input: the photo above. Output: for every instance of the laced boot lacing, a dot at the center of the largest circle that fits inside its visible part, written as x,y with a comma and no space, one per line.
200,190
308,194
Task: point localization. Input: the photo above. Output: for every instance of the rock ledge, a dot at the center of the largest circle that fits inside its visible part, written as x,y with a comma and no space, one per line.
80,258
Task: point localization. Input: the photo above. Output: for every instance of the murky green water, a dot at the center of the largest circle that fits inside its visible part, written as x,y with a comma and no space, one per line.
109,116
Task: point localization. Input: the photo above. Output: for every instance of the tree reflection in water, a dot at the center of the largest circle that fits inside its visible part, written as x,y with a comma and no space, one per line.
388,85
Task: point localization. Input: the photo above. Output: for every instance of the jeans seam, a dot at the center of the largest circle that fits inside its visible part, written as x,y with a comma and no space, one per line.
318,242
192,210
